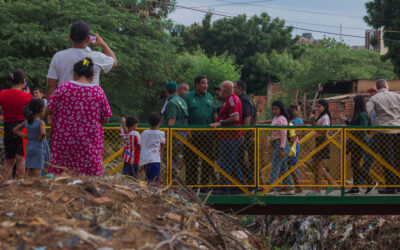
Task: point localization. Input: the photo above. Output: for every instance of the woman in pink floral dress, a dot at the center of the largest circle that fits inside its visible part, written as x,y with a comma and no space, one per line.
78,109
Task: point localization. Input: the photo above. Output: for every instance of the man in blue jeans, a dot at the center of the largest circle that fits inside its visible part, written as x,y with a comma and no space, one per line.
229,141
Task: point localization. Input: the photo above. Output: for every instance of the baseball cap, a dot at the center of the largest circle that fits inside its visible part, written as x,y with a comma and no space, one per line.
171,85
218,87
371,90
80,31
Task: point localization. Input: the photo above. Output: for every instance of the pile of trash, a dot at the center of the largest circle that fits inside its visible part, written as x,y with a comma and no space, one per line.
327,232
67,212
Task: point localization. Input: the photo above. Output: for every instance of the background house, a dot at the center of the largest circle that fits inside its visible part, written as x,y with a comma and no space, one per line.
339,95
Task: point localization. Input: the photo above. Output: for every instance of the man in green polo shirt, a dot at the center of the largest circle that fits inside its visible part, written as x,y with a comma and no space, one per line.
175,113
202,111
176,110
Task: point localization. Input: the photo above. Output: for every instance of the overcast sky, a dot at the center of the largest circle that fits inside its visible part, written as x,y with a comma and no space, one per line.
317,15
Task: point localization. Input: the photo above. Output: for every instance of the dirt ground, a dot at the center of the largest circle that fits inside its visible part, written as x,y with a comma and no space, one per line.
66,212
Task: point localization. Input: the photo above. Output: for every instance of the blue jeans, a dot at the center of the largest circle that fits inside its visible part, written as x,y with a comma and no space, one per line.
279,165
153,172
131,169
227,159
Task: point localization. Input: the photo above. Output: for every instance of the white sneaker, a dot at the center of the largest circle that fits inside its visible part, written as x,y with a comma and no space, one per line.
287,192
370,189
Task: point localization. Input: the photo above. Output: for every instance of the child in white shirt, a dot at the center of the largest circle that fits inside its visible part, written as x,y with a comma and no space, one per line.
150,148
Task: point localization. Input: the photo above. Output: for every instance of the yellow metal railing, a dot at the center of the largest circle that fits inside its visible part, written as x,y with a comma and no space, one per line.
113,148
247,158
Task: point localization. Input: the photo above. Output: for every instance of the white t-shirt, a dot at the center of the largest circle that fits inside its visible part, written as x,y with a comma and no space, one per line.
323,121
62,64
150,146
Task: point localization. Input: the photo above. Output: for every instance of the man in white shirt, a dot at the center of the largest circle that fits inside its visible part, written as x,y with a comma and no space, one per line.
62,63
386,105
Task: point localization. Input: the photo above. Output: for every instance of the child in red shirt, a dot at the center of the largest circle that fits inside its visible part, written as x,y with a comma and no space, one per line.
131,146
12,102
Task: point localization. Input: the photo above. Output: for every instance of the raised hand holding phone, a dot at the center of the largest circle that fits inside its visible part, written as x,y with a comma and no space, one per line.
93,39
99,41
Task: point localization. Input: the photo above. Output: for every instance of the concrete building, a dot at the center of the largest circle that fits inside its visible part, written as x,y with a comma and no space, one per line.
307,38
374,41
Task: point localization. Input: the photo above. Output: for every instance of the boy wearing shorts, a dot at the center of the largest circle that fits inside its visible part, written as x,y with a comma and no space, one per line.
150,145
131,146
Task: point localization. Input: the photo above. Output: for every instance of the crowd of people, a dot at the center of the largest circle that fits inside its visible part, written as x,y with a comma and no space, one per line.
76,106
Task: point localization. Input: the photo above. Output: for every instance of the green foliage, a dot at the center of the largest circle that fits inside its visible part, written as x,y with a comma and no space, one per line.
216,69
154,8
250,41
33,31
334,61
386,14
282,64
151,51
329,43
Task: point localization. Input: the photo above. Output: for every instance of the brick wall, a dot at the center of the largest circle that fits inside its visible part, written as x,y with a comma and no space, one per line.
338,106
260,102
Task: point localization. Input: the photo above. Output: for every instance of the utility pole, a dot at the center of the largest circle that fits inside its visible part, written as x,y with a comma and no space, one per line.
340,33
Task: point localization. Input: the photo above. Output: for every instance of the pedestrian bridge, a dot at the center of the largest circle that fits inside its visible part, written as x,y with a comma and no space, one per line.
243,159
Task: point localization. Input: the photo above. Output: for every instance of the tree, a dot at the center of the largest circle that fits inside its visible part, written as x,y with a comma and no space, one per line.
245,39
386,14
216,69
330,60
34,30
153,8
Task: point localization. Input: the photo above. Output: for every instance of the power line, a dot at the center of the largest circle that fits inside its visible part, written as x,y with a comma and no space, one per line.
235,3
250,3
278,8
325,25
304,29
292,21
289,9
229,16
289,21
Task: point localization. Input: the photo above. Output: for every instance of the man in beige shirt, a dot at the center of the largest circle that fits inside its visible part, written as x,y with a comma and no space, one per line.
386,105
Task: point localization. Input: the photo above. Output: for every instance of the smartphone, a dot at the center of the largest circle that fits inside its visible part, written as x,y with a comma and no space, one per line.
26,87
93,39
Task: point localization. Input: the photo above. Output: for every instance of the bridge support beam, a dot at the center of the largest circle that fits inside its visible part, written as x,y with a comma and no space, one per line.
303,205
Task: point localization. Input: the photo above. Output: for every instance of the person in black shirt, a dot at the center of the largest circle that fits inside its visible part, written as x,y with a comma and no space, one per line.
248,116
220,99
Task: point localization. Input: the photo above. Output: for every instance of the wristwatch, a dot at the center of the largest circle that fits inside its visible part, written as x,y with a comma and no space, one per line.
221,121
